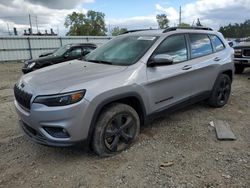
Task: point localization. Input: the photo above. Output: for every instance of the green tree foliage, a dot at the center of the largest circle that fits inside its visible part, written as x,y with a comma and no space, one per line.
236,30
184,25
117,31
162,20
91,24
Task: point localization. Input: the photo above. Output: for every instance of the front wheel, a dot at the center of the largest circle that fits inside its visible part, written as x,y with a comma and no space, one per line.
221,91
117,128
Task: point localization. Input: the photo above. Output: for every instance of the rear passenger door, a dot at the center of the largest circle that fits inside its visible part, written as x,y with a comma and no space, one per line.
204,63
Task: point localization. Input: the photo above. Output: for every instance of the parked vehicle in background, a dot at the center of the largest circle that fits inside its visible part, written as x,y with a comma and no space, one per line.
242,56
62,54
105,98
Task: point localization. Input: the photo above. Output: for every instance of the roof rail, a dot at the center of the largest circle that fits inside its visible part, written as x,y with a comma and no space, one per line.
136,30
192,27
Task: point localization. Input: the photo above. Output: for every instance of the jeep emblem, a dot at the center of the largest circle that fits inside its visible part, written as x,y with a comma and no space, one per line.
22,85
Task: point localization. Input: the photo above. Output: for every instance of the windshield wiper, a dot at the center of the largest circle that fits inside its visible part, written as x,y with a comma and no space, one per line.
100,61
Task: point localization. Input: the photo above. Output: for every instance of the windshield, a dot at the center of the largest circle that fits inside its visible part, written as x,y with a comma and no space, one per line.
60,51
122,50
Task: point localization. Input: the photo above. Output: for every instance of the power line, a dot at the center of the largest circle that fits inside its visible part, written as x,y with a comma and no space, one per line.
3,17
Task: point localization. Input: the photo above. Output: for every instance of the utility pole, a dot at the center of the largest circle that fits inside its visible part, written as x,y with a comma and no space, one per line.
57,30
110,33
30,25
36,25
8,28
180,16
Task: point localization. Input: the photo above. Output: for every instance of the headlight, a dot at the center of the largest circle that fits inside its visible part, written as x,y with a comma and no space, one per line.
31,65
61,99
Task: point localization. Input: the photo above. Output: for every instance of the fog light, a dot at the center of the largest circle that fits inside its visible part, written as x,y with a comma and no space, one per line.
57,132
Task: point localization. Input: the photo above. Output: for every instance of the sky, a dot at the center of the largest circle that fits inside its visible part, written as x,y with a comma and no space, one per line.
132,14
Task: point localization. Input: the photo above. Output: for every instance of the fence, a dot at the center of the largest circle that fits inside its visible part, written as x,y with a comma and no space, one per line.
28,47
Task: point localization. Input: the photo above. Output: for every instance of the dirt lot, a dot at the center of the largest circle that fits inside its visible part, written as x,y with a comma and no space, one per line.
184,141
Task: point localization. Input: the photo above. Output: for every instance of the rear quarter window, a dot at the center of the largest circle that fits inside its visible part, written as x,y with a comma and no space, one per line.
218,44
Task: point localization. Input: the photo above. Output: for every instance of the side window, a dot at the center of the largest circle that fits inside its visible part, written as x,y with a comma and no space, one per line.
218,45
75,52
174,46
200,45
87,49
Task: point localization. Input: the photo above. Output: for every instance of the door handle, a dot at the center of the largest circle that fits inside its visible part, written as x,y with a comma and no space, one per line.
186,67
217,59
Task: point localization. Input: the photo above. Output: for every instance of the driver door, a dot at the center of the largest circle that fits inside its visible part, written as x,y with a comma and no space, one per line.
170,84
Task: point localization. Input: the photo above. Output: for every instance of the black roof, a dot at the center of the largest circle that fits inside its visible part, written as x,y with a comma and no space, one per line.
83,44
136,30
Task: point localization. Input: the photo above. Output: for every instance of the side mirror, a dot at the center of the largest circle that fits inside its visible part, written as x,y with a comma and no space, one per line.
66,55
161,59
85,52
230,43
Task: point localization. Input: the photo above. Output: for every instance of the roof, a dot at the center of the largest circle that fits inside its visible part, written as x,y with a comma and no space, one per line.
160,32
83,44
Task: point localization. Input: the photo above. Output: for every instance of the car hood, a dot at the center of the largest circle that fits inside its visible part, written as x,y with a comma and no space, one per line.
41,59
243,44
55,78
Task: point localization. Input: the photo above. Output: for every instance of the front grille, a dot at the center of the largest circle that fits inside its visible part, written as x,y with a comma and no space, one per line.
22,97
246,52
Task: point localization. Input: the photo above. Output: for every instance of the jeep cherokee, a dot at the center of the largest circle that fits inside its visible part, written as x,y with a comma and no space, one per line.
105,98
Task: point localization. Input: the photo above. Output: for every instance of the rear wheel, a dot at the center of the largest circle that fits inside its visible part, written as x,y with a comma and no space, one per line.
239,69
221,91
116,129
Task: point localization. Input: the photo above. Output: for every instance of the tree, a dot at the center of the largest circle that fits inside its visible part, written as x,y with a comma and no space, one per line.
117,31
75,22
184,25
162,20
91,24
237,30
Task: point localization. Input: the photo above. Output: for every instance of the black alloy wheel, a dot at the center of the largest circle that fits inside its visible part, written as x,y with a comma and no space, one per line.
116,129
120,132
221,91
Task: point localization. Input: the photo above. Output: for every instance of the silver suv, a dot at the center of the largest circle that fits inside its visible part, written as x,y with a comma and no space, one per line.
104,99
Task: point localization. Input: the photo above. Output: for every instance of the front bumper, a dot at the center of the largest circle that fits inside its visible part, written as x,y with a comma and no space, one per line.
26,70
41,139
74,118
242,61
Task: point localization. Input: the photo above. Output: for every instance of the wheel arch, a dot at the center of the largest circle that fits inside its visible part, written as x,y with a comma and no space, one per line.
228,73
132,99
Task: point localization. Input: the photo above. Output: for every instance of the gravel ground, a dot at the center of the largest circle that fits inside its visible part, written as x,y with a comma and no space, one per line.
180,150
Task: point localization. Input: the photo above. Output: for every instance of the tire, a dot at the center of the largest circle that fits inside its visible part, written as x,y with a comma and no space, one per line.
239,69
221,91
116,129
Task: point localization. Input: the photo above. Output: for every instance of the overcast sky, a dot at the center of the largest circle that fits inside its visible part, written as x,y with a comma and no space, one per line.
132,14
